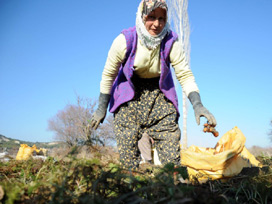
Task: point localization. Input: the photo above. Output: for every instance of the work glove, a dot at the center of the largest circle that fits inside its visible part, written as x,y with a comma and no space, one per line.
200,110
100,114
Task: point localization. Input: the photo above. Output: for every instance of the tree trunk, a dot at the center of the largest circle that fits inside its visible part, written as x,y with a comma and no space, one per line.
178,15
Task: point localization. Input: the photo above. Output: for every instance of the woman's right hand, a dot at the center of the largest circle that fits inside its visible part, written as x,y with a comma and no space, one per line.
97,118
100,114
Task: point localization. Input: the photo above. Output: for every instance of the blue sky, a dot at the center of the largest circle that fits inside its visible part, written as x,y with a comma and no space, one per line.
52,50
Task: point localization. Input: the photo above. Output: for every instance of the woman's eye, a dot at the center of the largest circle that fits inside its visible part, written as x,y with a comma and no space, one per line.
161,19
151,18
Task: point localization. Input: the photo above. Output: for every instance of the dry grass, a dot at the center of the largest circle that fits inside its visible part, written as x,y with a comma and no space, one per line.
87,175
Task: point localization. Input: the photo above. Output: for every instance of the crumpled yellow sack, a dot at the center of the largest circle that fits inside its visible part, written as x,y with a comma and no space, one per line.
25,152
225,160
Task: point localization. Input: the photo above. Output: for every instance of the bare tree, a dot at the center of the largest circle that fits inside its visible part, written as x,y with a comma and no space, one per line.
270,132
178,10
72,124
106,133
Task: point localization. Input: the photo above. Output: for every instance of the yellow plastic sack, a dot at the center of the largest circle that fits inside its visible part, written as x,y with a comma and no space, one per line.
227,159
25,152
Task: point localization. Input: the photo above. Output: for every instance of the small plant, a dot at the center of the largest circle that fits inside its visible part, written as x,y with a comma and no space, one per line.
74,180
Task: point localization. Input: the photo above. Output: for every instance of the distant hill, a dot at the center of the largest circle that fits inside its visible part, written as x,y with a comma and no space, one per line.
6,142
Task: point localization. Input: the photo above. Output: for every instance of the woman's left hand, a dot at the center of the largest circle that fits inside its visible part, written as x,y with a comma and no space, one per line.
201,111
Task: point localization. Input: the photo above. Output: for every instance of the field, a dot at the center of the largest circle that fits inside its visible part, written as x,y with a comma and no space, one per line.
94,176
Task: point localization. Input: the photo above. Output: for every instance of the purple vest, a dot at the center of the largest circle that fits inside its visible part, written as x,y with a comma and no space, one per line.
123,88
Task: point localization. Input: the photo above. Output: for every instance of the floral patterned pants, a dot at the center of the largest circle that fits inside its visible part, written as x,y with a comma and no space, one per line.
151,112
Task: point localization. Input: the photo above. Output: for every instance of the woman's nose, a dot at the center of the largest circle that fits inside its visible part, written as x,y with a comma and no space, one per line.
156,22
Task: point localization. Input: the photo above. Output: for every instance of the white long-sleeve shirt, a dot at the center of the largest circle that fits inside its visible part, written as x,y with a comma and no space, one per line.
146,64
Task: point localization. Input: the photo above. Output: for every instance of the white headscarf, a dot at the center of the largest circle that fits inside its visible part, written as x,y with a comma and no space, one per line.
151,42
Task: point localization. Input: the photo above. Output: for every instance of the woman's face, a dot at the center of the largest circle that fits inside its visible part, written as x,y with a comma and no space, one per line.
155,21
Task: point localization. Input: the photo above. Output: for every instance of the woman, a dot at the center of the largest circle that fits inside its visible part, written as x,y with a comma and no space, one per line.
138,85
